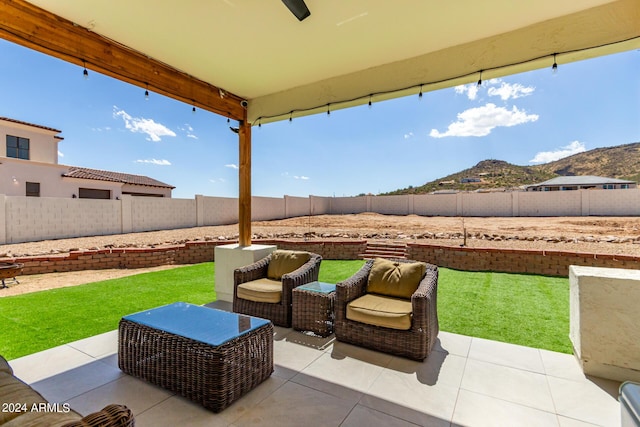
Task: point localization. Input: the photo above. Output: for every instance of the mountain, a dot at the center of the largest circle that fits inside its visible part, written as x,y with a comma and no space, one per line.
622,162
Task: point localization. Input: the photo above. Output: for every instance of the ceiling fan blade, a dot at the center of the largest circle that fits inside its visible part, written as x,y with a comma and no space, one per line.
298,8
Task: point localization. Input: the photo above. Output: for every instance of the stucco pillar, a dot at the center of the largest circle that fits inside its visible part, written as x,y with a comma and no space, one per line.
584,202
604,319
515,203
230,257
199,210
127,213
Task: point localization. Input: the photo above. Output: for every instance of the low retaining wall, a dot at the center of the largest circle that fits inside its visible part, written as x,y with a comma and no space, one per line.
550,263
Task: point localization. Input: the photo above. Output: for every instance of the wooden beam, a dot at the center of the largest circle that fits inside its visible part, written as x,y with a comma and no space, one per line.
244,199
38,29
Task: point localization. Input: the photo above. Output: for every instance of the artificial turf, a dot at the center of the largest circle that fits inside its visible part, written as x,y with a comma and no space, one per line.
521,309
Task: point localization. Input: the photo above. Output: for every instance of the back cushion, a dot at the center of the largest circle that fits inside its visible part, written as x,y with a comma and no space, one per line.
283,262
395,279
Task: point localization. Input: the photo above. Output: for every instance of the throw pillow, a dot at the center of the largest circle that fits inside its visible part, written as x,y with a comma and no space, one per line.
283,262
395,279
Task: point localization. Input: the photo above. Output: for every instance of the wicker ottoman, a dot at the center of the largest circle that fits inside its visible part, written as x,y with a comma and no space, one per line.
313,308
209,356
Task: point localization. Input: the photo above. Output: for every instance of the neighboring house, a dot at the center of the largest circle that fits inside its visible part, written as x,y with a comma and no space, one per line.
29,167
563,183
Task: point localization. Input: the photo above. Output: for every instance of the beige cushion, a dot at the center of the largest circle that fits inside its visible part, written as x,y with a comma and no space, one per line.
395,279
283,262
15,391
261,290
382,311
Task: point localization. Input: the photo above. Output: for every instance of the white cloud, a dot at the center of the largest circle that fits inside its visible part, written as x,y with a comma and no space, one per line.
408,135
107,128
480,121
471,90
217,180
568,150
141,125
188,129
60,154
510,91
162,162
231,165
301,177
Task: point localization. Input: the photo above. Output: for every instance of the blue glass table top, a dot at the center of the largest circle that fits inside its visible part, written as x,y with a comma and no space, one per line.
320,287
207,325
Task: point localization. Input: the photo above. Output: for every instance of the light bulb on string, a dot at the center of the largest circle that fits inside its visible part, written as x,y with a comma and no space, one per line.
85,73
146,92
420,94
554,67
328,109
480,79
290,116
370,104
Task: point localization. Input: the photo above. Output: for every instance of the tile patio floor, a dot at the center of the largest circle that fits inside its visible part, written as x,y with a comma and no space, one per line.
466,381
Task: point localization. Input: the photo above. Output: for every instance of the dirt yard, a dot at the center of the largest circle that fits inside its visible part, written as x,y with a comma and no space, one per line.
600,235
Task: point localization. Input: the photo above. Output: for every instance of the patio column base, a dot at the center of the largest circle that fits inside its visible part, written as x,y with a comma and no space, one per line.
230,257
604,319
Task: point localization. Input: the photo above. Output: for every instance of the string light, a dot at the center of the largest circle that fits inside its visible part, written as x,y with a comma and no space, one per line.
554,67
370,100
420,94
193,109
480,79
290,116
146,92
85,73
328,109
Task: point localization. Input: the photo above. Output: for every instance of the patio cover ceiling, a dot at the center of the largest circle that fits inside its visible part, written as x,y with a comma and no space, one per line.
346,53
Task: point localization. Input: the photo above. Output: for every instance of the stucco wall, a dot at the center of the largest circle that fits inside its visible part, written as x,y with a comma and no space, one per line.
220,210
297,206
612,202
265,208
43,147
552,203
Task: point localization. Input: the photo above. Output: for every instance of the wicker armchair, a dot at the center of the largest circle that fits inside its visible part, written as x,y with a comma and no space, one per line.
278,312
416,342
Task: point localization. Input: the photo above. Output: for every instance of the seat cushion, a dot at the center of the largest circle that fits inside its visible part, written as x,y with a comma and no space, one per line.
395,279
378,310
283,262
261,290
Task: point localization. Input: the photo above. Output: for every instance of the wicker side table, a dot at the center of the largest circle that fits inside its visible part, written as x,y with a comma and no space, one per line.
313,308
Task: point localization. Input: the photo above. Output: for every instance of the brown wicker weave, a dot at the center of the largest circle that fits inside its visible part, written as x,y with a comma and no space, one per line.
109,416
313,311
415,343
213,376
278,313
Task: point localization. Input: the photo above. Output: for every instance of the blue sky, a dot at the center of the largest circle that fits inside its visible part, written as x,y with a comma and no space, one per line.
524,119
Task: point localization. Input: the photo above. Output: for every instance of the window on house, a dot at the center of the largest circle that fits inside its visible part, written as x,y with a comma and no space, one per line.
17,147
93,193
624,186
33,189
608,186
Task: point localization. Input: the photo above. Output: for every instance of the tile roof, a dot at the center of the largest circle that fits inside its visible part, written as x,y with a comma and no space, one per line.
125,178
6,119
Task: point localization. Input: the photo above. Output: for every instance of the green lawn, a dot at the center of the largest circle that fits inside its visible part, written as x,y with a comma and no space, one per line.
521,309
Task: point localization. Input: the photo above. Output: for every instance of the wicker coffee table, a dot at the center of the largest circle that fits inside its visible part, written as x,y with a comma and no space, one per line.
313,308
210,356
